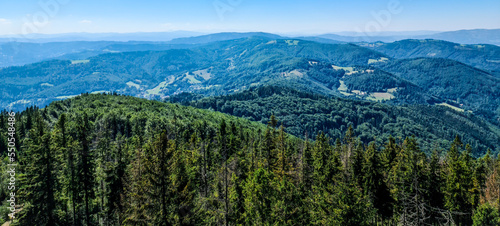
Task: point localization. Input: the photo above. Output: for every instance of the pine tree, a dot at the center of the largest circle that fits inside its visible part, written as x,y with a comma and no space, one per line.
459,182
236,199
183,171
321,154
356,170
389,153
135,199
282,167
41,181
65,170
268,148
306,164
349,141
222,138
85,166
435,185
157,163
115,174
373,183
103,156
406,183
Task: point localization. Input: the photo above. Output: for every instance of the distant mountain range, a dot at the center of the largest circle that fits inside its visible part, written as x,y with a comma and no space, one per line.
37,47
476,36
116,37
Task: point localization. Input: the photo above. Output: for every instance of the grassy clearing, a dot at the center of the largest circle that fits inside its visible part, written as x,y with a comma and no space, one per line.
349,70
156,90
203,73
295,73
379,96
393,90
342,87
79,61
292,42
191,79
46,85
452,107
133,84
382,59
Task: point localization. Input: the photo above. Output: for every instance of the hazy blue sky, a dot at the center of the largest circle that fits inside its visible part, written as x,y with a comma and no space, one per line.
279,16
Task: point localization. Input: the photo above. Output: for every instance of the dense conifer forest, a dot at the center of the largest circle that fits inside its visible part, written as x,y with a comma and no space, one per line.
118,160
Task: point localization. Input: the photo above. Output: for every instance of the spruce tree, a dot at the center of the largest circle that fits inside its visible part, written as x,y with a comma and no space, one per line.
85,166
373,183
40,181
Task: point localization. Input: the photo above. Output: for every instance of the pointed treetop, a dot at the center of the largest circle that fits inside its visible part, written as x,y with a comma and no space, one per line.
457,142
272,121
349,135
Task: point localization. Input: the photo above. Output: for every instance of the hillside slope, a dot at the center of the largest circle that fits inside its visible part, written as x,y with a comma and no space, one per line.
461,85
486,57
304,113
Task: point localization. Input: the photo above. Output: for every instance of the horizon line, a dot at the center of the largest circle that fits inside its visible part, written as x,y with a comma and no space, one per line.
235,31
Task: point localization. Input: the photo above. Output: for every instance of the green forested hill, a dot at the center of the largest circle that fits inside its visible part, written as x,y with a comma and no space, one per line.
223,36
303,113
486,57
117,160
462,85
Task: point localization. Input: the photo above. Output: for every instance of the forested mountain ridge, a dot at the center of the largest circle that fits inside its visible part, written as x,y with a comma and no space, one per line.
459,84
22,53
484,56
117,160
304,113
17,52
474,36
223,36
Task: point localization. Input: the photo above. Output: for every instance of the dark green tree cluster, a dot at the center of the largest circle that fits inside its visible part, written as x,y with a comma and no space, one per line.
303,112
